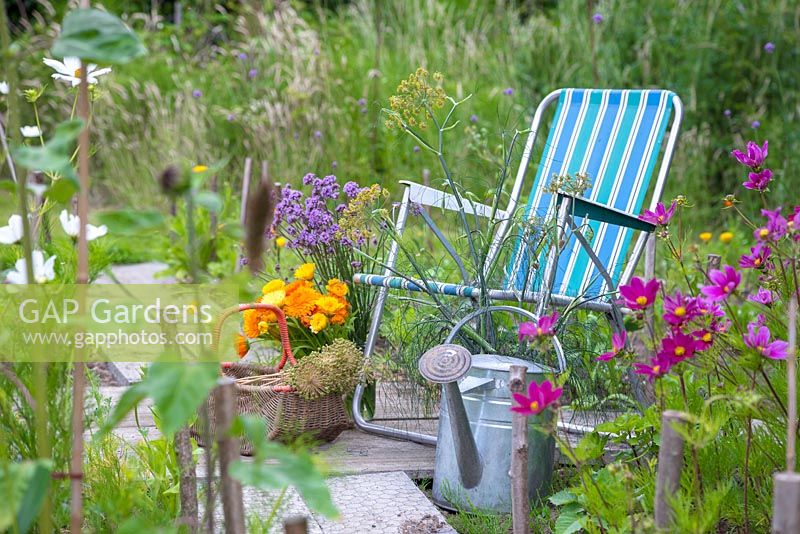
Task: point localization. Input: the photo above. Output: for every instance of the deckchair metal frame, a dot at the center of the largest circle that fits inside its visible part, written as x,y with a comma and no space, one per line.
567,208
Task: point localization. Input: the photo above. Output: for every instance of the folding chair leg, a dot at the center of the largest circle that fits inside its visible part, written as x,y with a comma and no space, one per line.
372,338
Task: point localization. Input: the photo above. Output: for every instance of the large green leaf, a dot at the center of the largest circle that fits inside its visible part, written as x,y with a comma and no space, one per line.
178,390
570,520
95,35
54,156
288,468
24,486
209,200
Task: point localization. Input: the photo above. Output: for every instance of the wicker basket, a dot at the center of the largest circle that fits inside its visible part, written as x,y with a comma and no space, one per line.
288,415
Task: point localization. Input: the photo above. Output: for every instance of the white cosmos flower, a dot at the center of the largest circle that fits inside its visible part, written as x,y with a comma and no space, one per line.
13,232
43,271
3,88
70,70
71,225
30,131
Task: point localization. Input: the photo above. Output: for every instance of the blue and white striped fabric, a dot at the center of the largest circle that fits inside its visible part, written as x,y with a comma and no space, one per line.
614,136
397,282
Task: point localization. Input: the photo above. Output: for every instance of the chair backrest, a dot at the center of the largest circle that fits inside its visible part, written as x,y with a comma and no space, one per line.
615,137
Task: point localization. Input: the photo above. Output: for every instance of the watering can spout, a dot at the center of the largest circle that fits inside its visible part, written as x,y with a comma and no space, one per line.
446,364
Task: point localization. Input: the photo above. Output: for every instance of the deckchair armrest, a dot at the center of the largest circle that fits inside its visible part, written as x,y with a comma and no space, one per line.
597,212
428,196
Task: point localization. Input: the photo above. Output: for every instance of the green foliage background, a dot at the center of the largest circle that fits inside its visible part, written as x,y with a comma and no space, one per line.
315,60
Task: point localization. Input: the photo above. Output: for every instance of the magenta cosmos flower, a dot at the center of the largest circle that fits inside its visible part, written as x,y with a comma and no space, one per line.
758,338
703,338
678,309
618,340
639,295
677,347
723,283
538,399
659,216
755,155
658,367
776,226
757,259
762,296
758,181
545,326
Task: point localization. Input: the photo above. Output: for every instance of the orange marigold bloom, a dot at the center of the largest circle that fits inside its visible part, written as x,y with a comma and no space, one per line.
300,302
336,287
305,271
242,346
318,322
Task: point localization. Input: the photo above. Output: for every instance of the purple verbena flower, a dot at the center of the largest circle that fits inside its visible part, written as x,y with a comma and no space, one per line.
755,124
769,47
242,56
597,18
362,102
473,118
252,73
508,91
197,93
727,113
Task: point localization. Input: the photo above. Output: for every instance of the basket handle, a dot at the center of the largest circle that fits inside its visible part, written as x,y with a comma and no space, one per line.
283,329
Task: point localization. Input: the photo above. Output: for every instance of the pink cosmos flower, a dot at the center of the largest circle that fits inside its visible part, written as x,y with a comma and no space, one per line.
758,338
660,216
538,399
757,259
618,340
709,308
657,368
723,283
762,296
755,155
679,309
545,326
639,295
777,225
703,339
677,347
758,181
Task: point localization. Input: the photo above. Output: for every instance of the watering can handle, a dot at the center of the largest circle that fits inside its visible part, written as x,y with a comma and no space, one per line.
562,362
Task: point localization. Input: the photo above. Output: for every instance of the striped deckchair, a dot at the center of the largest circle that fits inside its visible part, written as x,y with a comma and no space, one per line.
615,137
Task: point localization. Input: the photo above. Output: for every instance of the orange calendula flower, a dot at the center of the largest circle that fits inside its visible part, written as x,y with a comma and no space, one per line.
300,302
705,237
319,321
253,319
297,284
329,305
726,237
242,346
305,271
337,288
276,298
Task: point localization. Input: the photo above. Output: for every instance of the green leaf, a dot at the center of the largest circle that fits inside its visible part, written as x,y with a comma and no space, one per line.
24,486
590,447
178,390
38,484
133,396
292,468
209,201
54,156
62,189
95,35
570,520
563,497
129,222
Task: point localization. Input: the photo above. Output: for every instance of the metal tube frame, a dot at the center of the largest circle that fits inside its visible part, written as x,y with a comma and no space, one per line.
516,191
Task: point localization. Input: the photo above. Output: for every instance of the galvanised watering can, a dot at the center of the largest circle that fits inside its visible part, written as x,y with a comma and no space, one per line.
473,449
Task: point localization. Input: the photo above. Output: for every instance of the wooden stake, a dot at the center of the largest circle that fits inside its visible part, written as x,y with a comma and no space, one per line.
670,465
786,486
78,371
520,502
232,499
791,370
295,525
188,479
248,165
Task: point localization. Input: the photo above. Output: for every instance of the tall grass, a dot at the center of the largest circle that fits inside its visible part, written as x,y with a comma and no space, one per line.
301,111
